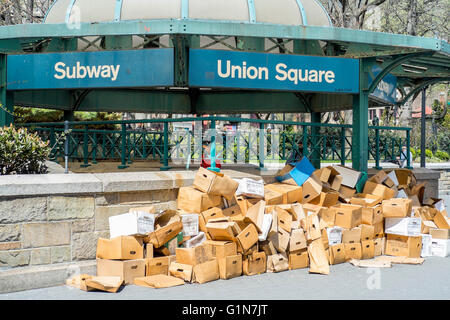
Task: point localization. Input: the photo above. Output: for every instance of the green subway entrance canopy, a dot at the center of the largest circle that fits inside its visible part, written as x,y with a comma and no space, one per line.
210,57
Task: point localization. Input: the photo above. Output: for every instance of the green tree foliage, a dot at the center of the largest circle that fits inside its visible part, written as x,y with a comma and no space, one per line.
22,152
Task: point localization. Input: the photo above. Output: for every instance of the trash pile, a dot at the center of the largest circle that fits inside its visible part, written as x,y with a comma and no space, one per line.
306,218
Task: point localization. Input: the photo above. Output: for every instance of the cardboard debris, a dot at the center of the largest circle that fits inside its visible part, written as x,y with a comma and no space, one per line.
307,218
158,281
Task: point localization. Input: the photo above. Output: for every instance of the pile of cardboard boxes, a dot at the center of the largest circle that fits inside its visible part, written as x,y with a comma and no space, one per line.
306,218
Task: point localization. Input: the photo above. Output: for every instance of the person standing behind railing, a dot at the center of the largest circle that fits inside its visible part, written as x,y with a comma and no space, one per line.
402,160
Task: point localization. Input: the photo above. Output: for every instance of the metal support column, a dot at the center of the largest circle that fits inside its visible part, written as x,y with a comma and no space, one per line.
123,147
6,97
69,115
85,147
423,130
166,167
262,153
315,148
213,147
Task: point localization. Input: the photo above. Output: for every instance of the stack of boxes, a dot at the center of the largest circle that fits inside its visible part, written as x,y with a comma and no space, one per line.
306,218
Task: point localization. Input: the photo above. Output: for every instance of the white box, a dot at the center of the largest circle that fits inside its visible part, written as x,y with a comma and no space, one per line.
403,226
426,246
334,235
440,247
195,241
132,223
250,188
190,224
393,176
266,225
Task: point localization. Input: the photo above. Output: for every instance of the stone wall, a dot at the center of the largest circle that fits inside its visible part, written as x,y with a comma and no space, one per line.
58,218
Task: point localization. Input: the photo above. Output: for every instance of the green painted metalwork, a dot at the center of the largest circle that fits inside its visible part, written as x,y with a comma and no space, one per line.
123,147
166,147
251,10
118,10
69,10
184,9
6,97
315,140
420,86
303,13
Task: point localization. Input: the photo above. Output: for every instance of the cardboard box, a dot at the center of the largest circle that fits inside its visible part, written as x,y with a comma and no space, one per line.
336,253
277,263
426,246
298,260
379,190
403,226
170,246
215,183
222,249
132,223
195,255
379,229
254,264
195,241
366,200
245,203
404,177
291,194
350,177
379,177
440,247
328,216
164,234
351,235
427,226
299,172
372,216
127,270
205,216
297,240
190,224
284,219
104,283
440,219
353,251
379,246
326,199
312,188
194,201
250,188
266,225
230,267
403,246
367,249
267,247
255,215
280,240
158,281
158,265
346,193
318,258
367,232
247,238
330,176
206,272
120,248
312,229
347,215
397,208
182,271
222,229
443,234
272,197
148,251
79,282
334,235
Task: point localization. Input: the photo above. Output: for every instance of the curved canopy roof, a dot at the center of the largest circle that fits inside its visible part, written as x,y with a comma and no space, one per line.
284,12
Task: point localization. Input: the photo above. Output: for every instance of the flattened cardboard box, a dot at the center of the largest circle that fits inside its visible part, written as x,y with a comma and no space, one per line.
298,260
337,254
195,201
230,267
367,249
158,265
353,251
312,230
158,281
347,215
403,246
127,270
195,255
120,248
254,264
222,249
318,258
206,272
182,271
103,283
79,282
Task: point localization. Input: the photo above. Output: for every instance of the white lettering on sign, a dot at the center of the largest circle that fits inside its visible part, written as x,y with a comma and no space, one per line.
80,72
283,73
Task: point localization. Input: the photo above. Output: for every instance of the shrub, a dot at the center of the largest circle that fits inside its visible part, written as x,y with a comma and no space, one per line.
22,152
442,155
428,153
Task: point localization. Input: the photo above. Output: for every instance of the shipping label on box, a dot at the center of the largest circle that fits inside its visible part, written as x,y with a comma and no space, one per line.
440,247
127,270
190,224
230,267
334,235
132,223
403,226
298,260
195,241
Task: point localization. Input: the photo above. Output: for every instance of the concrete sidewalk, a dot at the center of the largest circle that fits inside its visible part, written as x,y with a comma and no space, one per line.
345,281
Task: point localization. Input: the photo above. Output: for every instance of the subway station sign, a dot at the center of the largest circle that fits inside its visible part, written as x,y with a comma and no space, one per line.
248,70
101,69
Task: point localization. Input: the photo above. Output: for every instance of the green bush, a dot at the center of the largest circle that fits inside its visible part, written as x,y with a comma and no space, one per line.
428,153
442,155
22,152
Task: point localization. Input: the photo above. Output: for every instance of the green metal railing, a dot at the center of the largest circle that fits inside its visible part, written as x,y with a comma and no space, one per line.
255,144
